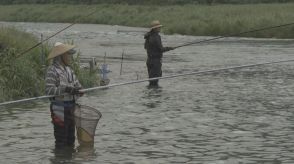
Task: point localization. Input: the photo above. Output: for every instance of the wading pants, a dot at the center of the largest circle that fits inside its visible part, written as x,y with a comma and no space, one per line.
62,114
154,70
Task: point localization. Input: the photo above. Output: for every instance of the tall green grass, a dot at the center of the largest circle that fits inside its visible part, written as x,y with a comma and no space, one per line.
88,78
23,76
215,20
20,77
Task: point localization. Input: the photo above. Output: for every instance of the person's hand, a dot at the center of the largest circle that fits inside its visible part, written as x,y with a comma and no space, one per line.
72,90
170,48
81,93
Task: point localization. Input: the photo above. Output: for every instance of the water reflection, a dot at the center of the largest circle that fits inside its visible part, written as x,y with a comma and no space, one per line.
152,96
63,155
85,152
72,155
240,116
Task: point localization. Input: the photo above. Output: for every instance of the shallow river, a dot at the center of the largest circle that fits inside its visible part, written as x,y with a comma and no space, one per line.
240,116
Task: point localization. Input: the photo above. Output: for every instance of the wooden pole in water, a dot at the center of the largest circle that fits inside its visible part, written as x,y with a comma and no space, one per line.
91,65
121,63
104,60
43,56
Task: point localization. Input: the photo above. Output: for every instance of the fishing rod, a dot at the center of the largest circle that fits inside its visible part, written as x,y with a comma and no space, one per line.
148,79
234,34
42,41
129,31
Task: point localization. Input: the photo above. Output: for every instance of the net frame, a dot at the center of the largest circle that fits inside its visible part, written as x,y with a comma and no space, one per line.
86,120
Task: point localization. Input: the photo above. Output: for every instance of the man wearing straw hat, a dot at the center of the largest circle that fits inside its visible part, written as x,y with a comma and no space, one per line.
154,50
62,82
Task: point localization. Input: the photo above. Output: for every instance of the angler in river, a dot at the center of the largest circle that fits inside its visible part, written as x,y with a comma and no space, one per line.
61,80
155,51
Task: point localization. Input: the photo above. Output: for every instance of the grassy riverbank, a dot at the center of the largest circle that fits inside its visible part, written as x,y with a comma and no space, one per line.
215,20
23,76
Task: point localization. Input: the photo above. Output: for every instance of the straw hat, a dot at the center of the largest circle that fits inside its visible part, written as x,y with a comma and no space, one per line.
60,48
155,24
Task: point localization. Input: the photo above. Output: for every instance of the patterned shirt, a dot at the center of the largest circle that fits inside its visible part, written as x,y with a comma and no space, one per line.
58,78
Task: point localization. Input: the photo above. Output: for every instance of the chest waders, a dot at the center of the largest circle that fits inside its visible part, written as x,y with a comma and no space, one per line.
154,70
62,114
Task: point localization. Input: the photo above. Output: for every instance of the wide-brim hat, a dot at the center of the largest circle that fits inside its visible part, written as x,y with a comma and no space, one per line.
155,24
60,48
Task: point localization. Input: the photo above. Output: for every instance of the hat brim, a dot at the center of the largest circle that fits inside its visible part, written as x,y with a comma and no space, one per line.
61,49
157,26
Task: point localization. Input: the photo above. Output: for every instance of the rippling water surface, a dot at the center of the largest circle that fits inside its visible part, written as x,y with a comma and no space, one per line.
229,117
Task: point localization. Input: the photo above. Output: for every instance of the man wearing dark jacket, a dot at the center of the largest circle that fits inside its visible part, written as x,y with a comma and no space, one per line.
154,50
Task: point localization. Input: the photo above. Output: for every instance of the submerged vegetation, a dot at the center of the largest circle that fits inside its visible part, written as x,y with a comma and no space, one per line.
188,19
23,76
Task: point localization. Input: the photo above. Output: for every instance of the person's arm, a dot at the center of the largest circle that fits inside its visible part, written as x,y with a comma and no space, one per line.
168,49
158,43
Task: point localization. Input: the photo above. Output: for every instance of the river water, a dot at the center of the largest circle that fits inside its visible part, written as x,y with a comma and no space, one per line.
240,116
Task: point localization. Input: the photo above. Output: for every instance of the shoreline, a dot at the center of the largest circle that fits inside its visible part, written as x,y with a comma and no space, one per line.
12,24
196,20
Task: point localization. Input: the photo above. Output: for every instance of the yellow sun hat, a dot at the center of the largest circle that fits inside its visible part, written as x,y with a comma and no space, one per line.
60,48
155,24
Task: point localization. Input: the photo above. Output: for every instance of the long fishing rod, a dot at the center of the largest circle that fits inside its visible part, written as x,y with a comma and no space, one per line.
235,34
144,80
42,41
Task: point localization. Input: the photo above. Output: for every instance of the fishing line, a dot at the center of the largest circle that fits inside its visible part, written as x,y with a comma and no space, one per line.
42,41
235,34
230,35
144,80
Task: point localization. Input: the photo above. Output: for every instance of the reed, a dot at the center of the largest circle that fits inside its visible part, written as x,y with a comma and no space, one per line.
19,77
23,76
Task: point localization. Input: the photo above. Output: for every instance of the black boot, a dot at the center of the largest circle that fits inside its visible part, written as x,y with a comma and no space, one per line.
153,83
